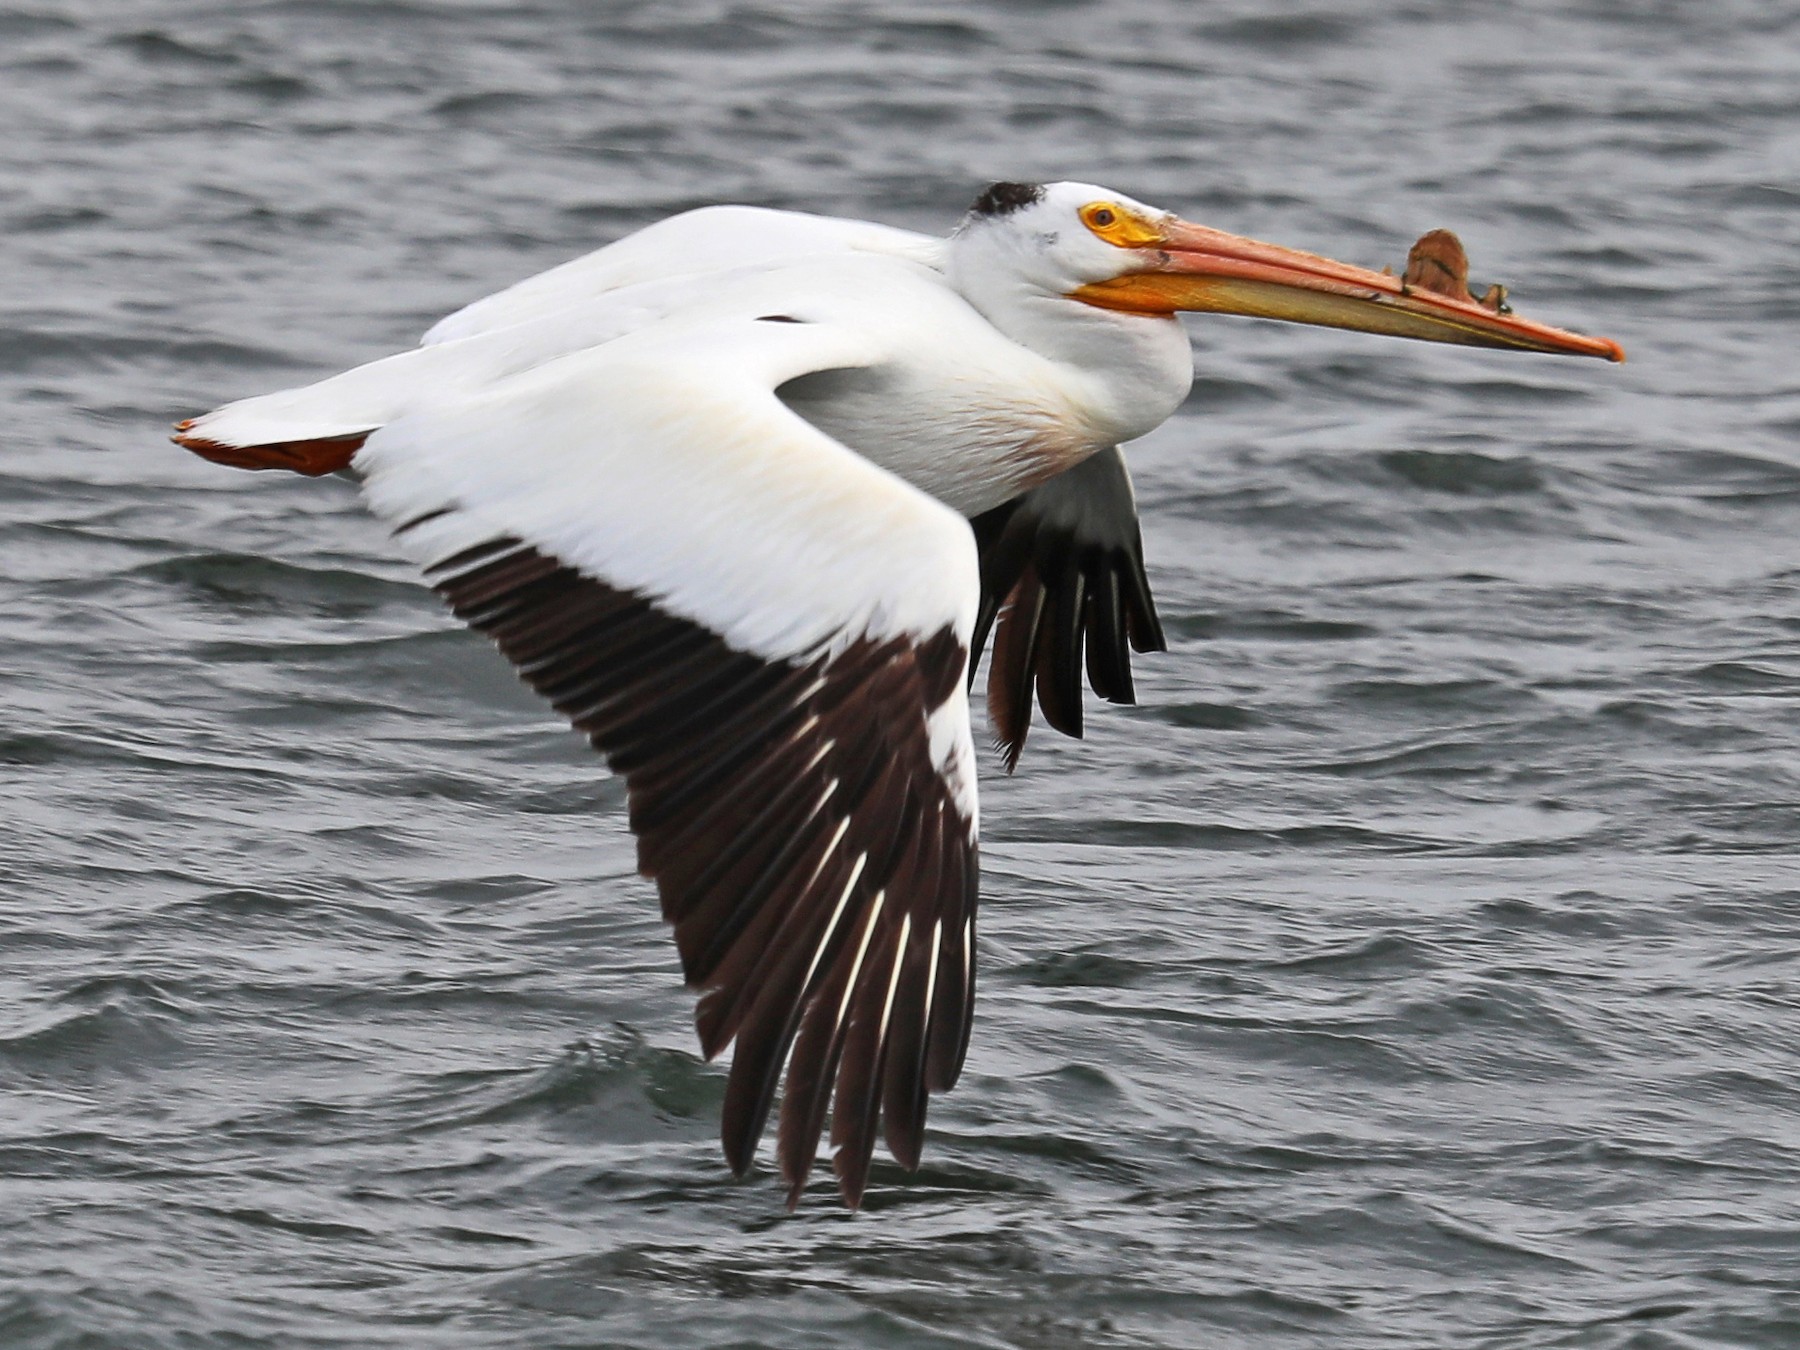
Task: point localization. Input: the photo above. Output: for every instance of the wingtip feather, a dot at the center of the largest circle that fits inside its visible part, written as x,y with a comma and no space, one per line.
312,458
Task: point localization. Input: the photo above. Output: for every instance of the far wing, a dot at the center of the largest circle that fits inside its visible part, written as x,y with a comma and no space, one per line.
682,264
1062,566
708,239
767,637
316,428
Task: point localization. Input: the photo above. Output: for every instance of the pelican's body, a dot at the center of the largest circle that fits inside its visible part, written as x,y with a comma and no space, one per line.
710,489
958,389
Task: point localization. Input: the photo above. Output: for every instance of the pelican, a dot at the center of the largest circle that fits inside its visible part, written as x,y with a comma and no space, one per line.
742,494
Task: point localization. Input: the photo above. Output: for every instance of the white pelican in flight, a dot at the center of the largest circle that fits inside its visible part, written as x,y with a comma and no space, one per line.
711,489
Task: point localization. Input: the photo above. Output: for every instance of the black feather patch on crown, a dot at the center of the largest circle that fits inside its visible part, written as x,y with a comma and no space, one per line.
1004,198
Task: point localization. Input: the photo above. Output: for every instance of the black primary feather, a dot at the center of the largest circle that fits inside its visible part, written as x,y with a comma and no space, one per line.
1062,571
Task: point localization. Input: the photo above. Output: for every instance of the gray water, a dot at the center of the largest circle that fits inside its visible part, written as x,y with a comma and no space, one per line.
1415,967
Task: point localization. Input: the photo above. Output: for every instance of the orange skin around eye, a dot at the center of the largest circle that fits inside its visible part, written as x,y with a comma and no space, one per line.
1119,227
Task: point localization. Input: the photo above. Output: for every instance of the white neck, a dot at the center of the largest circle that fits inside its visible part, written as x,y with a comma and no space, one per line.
1126,373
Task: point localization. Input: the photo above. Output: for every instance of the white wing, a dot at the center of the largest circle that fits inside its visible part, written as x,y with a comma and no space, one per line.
767,636
683,264
710,239
350,405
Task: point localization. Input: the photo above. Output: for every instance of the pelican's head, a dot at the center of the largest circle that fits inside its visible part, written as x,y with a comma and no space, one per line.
1086,243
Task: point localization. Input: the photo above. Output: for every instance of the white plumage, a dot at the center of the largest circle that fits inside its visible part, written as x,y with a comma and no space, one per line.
709,489
710,239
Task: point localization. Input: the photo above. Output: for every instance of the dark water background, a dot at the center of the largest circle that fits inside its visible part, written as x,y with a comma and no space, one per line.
1415,968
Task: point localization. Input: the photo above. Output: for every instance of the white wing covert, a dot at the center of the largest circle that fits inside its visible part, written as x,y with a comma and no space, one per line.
707,239
767,637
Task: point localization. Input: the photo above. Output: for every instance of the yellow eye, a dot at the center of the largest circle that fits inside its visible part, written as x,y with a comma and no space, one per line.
1101,217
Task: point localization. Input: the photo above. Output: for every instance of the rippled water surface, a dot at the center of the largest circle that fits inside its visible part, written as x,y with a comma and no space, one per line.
1415,967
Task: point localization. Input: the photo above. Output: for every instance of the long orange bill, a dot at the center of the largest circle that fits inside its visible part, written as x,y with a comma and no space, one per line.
1198,268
